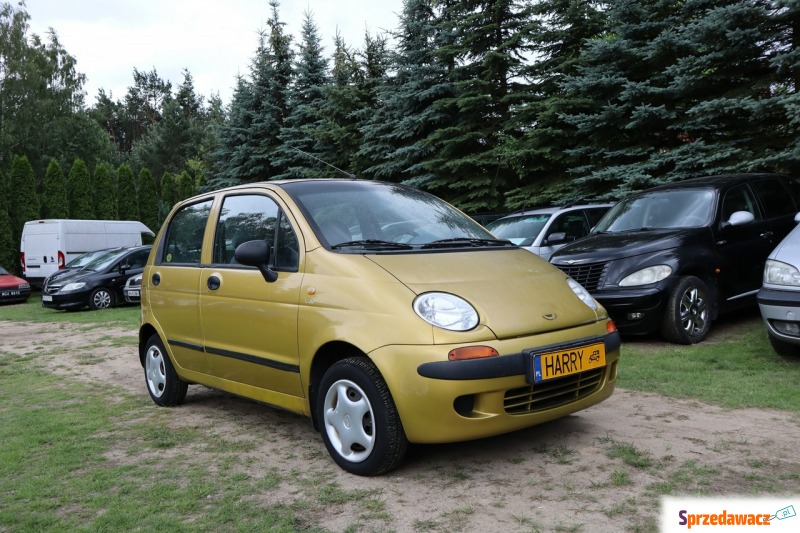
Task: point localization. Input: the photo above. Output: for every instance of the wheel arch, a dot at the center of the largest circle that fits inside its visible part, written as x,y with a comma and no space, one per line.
327,355
145,332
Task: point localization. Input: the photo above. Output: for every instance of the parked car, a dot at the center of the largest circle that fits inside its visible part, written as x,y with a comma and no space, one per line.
380,311
99,283
779,296
12,288
133,289
545,230
672,258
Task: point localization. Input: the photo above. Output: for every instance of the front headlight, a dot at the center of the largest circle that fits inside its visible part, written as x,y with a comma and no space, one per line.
646,276
446,311
777,273
581,293
73,286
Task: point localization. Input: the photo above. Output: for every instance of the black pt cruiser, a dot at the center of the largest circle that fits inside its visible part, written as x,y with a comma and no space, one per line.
671,258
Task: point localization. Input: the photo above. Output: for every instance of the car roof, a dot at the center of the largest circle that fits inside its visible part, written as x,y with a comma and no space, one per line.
716,181
555,209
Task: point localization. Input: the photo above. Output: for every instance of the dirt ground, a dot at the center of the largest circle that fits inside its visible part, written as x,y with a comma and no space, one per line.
567,475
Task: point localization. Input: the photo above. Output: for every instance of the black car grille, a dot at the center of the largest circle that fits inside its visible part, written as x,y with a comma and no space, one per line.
553,393
590,276
52,288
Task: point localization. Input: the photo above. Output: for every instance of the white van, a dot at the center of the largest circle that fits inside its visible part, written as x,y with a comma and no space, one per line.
47,245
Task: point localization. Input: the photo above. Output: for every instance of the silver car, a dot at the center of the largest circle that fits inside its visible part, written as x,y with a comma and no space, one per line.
133,289
545,230
779,296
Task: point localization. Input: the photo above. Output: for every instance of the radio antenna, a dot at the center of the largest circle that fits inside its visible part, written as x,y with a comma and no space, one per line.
348,174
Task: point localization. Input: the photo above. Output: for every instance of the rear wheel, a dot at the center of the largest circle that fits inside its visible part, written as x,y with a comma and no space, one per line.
359,421
101,298
163,383
687,319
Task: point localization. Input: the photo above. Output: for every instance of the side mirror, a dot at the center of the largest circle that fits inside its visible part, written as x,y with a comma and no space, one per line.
555,238
797,217
739,218
256,253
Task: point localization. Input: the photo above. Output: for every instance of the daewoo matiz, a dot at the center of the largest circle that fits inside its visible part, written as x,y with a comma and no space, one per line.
380,311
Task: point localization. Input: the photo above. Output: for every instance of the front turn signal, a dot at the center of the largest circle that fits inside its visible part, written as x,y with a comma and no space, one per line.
472,352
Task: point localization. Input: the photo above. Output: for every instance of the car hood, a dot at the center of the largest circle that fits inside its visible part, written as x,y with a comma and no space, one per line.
609,246
10,282
515,292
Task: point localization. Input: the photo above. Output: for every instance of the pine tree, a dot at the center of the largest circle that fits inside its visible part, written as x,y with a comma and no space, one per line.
79,192
54,199
148,200
483,43
127,201
105,207
395,135
185,186
298,151
232,158
25,204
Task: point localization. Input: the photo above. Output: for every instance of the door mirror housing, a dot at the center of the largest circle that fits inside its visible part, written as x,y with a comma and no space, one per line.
256,253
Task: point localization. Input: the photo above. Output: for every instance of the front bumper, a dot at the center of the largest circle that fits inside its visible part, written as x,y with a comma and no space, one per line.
75,300
635,311
14,295
450,401
780,310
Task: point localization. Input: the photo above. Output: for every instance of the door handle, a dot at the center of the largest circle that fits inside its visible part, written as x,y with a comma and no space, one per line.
767,234
156,279
213,283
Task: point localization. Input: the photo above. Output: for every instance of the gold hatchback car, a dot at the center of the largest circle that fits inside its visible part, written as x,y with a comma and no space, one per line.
382,312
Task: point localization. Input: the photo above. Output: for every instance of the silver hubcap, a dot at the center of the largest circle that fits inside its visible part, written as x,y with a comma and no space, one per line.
102,299
348,421
694,311
155,372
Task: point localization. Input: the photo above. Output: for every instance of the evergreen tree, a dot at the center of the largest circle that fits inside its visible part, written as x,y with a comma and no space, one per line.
540,156
9,247
232,158
185,186
105,205
79,191
54,199
169,194
485,42
298,151
395,135
148,200
25,204
127,201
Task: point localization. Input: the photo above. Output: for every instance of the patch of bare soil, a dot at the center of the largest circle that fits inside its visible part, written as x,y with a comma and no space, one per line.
602,469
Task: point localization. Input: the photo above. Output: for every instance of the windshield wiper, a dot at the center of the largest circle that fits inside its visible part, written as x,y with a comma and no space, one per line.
459,242
372,244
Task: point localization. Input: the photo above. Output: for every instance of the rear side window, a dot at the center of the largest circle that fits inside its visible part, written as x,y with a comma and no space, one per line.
255,217
184,241
774,197
572,224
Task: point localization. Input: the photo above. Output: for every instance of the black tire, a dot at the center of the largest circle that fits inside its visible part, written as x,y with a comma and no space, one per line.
163,383
687,319
378,442
784,348
101,298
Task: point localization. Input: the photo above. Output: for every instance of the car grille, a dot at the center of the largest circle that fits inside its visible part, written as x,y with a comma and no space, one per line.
590,276
553,393
52,288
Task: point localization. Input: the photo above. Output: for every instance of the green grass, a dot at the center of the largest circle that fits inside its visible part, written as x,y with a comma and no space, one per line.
736,369
32,311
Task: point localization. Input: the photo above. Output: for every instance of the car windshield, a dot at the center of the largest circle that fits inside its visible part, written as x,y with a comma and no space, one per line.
682,208
521,230
104,261
359,216
88,257
3,272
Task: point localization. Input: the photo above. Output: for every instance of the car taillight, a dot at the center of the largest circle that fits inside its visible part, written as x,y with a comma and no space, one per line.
22,261
61,261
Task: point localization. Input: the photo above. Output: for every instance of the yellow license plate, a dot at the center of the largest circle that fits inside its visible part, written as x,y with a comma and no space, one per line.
557,364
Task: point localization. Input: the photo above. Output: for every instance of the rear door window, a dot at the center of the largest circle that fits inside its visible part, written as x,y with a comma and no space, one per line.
775,197
184,241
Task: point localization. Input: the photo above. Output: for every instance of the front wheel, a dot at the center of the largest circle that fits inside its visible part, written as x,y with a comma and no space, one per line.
163,383
360,424
101,298
687,319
